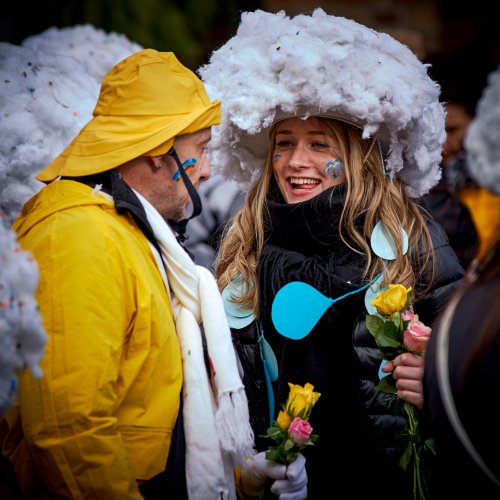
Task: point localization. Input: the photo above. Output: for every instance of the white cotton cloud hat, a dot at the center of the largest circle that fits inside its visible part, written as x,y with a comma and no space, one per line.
325,65
482,142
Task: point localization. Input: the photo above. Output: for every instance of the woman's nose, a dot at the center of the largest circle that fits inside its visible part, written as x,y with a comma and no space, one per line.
300,157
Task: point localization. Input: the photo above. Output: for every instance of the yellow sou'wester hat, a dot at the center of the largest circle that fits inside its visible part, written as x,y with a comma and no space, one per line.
145,101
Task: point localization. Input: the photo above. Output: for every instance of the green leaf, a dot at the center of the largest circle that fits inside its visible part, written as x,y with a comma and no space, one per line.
291,456
430,445
288,445
375,324
274,432
387,384
273,454
389,336
406,457
313,438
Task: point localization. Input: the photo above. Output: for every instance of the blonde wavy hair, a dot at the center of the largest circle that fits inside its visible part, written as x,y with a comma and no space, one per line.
370,197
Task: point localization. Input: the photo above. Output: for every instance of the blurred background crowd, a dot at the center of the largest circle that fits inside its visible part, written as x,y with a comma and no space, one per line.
457,39
193,28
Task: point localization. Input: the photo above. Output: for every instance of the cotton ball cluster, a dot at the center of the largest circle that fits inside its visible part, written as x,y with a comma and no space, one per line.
22,336
99,50
482,140
45,100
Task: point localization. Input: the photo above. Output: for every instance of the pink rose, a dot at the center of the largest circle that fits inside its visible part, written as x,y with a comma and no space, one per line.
407,315
416,336
300,430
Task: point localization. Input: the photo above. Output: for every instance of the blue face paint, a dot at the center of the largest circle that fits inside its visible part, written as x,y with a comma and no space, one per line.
190,162
334,168
276,157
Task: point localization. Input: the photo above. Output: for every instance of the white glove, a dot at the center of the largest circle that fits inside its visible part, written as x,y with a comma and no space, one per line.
257,473
290,483
294,486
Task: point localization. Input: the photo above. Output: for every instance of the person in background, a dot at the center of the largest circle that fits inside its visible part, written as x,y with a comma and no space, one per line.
122,304
442,201
462,376
335,130
22,336
455,219
476,202
220,198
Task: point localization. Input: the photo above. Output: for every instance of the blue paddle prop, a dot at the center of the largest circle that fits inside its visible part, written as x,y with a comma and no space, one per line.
298,307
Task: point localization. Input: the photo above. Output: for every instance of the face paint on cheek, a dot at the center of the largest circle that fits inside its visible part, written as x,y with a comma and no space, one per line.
276,157
186,166
334,168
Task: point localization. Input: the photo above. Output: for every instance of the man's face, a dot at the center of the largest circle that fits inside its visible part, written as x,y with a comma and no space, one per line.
457,122
167,191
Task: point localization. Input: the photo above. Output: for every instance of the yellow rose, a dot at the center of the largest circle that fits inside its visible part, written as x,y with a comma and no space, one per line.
301,400
392,300
283,420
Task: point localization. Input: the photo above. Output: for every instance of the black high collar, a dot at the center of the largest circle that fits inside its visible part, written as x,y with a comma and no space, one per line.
309,227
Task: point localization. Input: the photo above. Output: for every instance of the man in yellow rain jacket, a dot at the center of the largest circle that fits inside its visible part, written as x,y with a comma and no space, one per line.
122,302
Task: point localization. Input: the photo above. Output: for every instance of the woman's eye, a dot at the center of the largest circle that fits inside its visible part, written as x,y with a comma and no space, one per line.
319,146
281,145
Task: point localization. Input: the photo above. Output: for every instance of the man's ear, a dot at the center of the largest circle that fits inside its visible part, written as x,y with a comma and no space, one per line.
155,162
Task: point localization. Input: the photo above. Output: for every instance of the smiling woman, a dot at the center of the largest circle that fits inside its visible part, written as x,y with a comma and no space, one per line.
332,158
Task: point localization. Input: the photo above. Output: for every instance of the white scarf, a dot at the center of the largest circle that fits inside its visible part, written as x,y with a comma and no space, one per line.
216,419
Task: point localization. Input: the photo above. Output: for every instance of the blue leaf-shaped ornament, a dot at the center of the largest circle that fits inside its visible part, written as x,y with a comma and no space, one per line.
383,243
297,308
237,316
271,363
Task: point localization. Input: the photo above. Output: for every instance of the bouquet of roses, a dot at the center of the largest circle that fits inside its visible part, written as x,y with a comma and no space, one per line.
397,329
291,431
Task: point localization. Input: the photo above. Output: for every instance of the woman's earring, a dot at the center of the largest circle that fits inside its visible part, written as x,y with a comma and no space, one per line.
334,168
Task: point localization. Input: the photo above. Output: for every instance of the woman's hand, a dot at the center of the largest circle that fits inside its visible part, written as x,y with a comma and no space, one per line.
408,370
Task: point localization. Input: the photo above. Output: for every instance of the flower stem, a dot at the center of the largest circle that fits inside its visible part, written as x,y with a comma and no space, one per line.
419,483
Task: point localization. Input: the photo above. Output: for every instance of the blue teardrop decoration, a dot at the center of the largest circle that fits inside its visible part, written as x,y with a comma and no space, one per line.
297,308
237,316
270,359
383,243
382,374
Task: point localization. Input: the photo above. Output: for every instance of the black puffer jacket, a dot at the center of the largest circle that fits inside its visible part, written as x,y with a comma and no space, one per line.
339,356
249,352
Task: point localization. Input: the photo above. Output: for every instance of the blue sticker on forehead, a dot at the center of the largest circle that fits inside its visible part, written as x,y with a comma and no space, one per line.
276,157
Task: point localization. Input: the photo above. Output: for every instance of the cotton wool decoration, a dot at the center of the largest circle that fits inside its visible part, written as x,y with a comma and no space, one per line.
96,48
22,336
45,100
482,142
323,64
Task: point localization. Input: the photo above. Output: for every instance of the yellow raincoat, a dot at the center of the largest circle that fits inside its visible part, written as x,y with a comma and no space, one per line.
112,373
484,208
